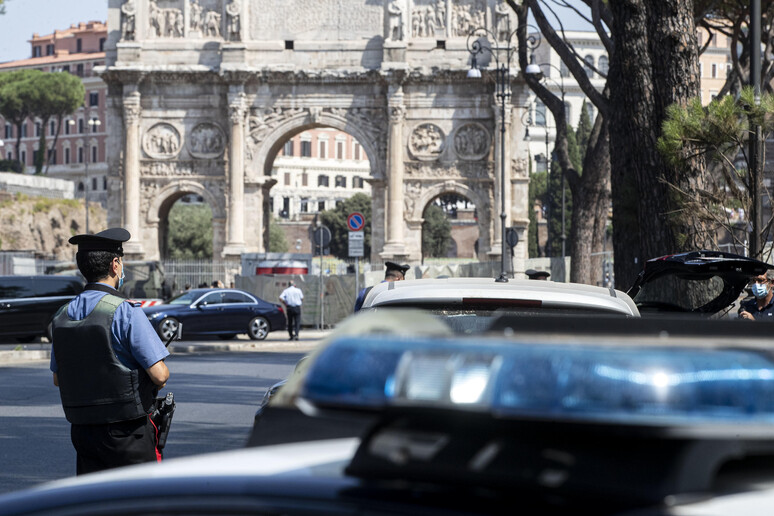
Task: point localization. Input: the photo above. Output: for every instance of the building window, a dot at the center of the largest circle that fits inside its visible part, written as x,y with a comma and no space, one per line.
287,178
67,155
79,45
540,114
52,128
94,155
304,179
567,110
67,126
357,182
8,131
38,128
604,65
79,70
66,68
590,111
320,205
80,186
80,154
356,150
10,156
306,149
564,72
94,98
589,66
287,150
304,205
104,182
36,52
34,157
701,70
322,180
285,213
95,126
714,71
23,157
341,182
339,150
52,156
101,44
24,130
49,50
323,149
80,125
93,184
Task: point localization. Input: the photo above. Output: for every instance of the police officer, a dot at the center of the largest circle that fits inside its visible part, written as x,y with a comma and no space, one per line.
107,362
392,272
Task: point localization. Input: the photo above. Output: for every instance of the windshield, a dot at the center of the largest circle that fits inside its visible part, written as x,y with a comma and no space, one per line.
186,298
472,321
674,293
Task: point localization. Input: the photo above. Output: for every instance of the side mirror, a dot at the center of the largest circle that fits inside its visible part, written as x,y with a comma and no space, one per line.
200,305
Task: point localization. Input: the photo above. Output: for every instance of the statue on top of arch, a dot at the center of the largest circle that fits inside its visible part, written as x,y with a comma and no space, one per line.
128,13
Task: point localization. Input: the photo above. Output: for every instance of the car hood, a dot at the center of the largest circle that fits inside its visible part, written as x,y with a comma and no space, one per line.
705,282
150,310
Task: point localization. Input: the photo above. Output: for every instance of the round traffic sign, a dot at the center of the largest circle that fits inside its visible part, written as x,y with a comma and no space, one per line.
511,237
355,221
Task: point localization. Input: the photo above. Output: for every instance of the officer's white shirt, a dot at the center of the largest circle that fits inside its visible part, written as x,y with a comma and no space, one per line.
292,296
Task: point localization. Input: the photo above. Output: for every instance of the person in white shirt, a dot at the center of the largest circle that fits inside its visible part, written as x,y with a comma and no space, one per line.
292,298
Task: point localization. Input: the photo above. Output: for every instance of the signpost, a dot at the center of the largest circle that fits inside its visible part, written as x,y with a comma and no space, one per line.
355,224
322,239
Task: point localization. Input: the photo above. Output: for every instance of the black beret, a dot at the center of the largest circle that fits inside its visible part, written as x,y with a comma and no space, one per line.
533,274
108,240
392,266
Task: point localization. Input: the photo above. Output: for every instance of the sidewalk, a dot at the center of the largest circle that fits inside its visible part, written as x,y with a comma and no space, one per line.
13,353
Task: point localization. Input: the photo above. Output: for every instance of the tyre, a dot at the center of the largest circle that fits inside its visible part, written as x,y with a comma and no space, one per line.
167,328
258,328
227,336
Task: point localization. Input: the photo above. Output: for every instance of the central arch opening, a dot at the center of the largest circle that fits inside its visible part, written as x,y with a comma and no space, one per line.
185,228
450,227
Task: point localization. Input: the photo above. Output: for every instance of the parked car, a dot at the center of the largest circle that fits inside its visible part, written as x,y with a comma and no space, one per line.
221,312
699,282
28,303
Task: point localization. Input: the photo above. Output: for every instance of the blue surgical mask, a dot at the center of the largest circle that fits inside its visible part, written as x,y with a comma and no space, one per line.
121,279
759,290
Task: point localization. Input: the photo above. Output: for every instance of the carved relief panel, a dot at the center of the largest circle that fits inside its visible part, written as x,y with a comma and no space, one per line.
206,141
205,18
467,15
426,142
162,141
471,141
166,19
428,19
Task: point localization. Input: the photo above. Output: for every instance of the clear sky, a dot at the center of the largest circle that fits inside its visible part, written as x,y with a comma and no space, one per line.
24,17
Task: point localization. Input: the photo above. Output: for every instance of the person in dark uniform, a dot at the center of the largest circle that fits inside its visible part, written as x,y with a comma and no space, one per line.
392,272
761,306
107,361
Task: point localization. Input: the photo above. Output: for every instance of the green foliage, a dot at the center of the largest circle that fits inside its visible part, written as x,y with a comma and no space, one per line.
336,221
583,133
436,232
56,96
2,6
17,98
537,190
277,241
10,165
190,232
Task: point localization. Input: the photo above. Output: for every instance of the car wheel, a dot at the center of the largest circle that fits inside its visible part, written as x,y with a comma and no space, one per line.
168,327
258,329
227,336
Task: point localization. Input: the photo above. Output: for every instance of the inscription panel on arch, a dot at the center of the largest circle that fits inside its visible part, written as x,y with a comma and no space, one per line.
325,20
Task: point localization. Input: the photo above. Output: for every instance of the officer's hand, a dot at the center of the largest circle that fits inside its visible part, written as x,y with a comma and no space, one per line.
744,314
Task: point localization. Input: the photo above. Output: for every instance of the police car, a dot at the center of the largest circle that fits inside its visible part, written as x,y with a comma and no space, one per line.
403,416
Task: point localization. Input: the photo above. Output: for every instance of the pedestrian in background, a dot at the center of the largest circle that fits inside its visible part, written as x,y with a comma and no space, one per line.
761,306
107,361
392,272
293,298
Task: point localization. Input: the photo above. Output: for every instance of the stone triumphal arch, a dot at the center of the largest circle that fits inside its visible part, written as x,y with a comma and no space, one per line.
203,93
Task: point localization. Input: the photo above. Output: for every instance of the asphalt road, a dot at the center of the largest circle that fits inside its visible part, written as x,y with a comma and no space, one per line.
217,394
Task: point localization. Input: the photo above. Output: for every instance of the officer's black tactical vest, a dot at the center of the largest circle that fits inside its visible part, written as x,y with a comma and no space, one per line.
95,387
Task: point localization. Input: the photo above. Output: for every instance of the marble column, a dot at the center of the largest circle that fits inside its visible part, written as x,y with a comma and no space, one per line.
235,243
131,208
395,246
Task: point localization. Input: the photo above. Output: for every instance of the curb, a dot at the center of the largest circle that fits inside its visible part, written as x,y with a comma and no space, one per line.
16,357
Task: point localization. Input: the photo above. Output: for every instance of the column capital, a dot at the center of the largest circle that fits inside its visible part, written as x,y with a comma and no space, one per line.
236,107
397,113
132,107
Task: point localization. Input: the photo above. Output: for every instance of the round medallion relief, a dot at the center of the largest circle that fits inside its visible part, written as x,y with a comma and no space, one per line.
426,141
162,141
207,141
471,141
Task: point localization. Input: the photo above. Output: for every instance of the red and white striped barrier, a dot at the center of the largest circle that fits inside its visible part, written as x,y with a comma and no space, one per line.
142,303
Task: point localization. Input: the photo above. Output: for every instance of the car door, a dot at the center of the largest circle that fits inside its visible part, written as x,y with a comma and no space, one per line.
238,311
17,306
207,317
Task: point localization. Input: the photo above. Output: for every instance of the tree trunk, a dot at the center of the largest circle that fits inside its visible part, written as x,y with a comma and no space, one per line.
56,138
591,193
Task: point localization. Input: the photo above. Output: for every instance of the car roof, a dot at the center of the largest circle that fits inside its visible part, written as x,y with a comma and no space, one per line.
458,290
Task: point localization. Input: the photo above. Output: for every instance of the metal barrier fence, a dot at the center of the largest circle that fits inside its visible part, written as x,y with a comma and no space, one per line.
193,273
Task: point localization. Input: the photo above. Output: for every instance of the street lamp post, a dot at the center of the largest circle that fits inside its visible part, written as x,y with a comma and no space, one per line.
477,47
536,71
93,124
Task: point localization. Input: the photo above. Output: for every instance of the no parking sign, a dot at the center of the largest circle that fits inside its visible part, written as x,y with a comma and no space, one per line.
355,221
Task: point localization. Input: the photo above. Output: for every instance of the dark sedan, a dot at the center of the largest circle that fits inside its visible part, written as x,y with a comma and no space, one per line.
221,312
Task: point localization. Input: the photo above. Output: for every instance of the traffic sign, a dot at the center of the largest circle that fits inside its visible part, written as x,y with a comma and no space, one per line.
356,221
511,237
322,233
356,244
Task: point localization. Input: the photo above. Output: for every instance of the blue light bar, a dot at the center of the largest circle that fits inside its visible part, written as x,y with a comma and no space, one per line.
625,385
